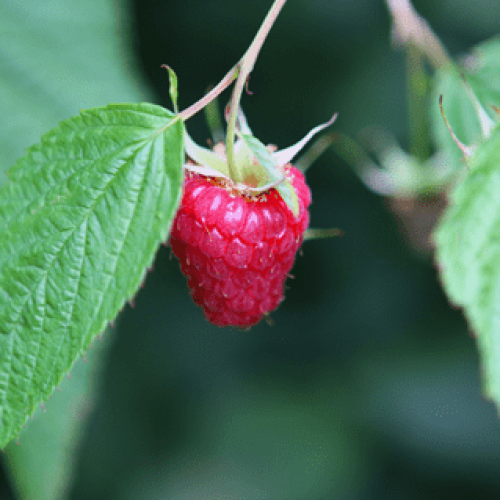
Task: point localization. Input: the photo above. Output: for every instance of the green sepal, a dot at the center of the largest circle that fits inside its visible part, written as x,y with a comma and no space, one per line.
205,157
214,122
315,234
267,171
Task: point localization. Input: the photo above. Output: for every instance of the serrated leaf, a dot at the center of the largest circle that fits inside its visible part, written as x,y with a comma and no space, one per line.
482,71
468,254
57,57
272,173
80,222
52,436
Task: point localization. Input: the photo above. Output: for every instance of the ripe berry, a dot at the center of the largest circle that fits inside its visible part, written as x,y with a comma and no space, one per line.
237,250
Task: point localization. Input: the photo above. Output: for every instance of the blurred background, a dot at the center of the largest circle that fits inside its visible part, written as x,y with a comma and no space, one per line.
367,386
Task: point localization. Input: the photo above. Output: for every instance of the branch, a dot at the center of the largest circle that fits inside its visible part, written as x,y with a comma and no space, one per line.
411,29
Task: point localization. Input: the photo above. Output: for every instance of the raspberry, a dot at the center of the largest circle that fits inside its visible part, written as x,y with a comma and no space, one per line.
236,251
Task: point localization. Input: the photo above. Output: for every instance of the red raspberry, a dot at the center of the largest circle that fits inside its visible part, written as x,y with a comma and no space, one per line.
236,251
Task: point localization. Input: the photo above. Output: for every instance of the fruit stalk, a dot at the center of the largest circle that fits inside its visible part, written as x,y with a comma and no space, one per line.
241,72
246,65
208,98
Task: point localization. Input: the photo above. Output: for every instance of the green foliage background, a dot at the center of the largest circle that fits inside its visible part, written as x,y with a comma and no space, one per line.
368,385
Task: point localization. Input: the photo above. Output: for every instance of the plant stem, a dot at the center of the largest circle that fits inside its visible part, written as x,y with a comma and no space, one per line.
206,99
417,83
246,65
411,29
241,72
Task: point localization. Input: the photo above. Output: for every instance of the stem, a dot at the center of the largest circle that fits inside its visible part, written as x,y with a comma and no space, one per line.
411,29
206,99
417,94
246,65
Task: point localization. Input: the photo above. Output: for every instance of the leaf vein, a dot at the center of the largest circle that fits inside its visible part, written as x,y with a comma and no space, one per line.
63,243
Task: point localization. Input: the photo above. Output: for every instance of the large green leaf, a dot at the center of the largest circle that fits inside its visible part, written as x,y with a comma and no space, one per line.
42,465
481,70
57,57
468,254
80,222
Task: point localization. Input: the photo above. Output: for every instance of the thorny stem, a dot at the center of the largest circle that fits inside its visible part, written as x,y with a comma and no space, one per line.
411,29
246,65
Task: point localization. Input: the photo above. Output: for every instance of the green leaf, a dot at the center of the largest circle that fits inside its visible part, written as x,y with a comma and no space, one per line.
40,466
80,222
482,71
271,173
468,254
57,57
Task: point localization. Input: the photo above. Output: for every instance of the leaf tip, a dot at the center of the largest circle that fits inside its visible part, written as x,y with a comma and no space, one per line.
173,85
